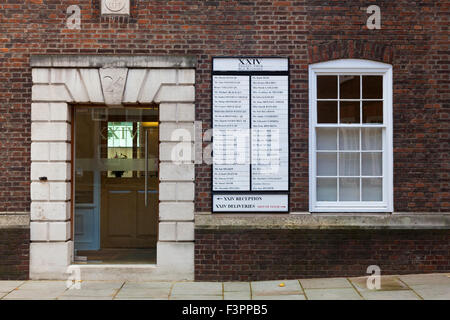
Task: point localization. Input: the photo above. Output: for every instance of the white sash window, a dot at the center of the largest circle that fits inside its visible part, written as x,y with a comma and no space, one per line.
350,136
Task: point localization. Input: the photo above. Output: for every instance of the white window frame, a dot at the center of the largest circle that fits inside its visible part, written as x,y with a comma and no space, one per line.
357,67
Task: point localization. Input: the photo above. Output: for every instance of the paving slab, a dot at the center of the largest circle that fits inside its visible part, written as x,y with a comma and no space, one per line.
417,279
84,298
150,293
233,295
139,298
236,287
399,287
387,283
432,291
101,285
325,283
43,285
147,285
281,297
48,294
197,288
89,293
195,297
7,286
332,294
270,288
390,295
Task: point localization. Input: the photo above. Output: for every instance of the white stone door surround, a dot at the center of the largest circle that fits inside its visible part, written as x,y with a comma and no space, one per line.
61,81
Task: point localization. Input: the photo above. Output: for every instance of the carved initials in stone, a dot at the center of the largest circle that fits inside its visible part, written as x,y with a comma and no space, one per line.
113,85
115,5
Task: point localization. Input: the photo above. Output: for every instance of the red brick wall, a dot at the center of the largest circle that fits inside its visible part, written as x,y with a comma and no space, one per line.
14,253
293,254
413,38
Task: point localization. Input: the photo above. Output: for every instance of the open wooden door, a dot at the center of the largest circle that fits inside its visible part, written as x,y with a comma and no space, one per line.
129,210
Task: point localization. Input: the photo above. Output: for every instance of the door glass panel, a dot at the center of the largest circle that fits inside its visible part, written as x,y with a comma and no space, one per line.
84,176
116,184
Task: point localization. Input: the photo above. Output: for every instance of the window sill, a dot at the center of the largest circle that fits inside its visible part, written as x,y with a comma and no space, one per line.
304,220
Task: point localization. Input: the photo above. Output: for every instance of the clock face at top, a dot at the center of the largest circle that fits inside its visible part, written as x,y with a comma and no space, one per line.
115,5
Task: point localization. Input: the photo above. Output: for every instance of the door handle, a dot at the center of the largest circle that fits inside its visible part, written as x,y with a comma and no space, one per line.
146,168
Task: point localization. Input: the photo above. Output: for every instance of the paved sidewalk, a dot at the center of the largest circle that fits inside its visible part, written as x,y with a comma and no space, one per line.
405,287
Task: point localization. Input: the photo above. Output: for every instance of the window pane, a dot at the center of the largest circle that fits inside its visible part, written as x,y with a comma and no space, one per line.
349,139
326,111
326,164
326,87
326,189
372,189
326,139
372,87
349,163
349,189
371,164
349,87
349,112
371,139
372,111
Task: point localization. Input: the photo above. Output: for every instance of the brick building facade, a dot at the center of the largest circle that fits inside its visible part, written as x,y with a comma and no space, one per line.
182,37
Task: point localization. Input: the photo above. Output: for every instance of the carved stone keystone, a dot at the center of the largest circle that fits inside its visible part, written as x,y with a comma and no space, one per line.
113,85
